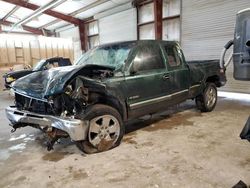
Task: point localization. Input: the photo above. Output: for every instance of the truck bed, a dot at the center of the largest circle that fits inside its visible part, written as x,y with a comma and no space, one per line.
204,62
209,66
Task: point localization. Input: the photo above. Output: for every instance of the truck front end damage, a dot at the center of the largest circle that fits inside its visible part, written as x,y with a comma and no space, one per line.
57,117
59,114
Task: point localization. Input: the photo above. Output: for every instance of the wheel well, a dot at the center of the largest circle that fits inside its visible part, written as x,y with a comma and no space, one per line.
112,102
215,80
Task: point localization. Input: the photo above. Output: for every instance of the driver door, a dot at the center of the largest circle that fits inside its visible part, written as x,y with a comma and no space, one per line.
146,80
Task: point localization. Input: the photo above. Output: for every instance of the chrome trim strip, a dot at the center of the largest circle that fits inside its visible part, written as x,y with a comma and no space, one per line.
135,105
129,77
158,99
194,86
179,92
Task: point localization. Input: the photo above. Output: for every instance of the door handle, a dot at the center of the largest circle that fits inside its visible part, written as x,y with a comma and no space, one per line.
165,77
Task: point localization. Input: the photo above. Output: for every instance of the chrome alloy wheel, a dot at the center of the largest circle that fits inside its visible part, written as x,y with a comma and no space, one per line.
211,96
105,128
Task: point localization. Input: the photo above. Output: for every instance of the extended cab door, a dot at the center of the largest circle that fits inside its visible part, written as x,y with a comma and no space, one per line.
178,73
145,80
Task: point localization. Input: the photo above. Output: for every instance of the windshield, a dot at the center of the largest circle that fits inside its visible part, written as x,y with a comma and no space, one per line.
113,55
39,65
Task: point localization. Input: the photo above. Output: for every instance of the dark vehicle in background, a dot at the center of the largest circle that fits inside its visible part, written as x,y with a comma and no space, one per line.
108,86
44,64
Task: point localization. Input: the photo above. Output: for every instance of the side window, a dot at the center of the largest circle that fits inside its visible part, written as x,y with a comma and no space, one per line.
172,56
56,64
148,57
52,64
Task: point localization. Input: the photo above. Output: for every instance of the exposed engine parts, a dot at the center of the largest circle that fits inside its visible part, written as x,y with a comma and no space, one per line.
69,104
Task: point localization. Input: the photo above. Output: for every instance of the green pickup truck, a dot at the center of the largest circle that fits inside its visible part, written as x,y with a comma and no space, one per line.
109,85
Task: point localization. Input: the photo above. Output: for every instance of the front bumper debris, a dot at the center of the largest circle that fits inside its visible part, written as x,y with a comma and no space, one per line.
76,129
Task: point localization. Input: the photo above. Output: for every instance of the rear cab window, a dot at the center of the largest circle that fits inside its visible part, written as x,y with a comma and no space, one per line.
173,56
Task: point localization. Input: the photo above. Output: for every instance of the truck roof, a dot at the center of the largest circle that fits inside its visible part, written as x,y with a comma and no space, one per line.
137,41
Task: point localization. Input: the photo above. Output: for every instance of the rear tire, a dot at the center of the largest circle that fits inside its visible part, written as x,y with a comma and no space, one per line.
206,101
105,129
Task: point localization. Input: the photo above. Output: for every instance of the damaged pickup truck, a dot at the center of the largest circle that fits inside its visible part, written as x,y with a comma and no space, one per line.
109,85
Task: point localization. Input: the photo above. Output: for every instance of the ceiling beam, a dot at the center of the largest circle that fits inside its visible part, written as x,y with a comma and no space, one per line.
138,3
83,9
29,29
55,14
67,18
37,12
90,6
11,12
49,24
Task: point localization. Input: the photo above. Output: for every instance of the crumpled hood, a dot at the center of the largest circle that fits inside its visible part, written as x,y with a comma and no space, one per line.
45,83
42,84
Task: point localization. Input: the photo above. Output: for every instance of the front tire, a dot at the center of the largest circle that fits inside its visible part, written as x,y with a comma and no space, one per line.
206,101
105,129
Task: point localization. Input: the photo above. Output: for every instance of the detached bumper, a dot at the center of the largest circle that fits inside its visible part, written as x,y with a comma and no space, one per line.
76,128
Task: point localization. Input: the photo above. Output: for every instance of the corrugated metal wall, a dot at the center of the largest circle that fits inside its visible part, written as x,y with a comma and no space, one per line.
118,27
73,34
206,27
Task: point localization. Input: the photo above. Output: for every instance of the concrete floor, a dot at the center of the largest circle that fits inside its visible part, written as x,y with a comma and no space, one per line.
179,148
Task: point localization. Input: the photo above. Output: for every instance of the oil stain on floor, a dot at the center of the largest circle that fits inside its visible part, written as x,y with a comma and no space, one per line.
129,140
55,156
172,121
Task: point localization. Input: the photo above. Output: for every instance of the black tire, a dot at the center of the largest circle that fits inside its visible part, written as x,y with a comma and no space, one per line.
92,114
206,101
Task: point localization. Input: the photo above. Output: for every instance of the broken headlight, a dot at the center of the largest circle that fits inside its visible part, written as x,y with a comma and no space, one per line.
10,79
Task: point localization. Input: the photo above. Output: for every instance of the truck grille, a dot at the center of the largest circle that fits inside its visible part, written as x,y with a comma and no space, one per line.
33,105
